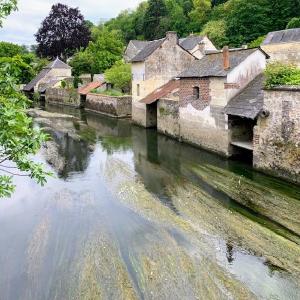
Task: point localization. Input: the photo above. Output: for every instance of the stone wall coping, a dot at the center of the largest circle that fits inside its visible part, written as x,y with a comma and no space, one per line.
290,88
108,96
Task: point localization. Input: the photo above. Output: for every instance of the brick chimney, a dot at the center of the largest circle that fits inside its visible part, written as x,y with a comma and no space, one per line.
226,61
172,37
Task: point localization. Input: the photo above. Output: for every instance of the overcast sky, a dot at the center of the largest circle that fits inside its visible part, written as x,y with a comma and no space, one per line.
21,26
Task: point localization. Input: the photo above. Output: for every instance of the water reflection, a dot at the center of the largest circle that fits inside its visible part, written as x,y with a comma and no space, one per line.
136,215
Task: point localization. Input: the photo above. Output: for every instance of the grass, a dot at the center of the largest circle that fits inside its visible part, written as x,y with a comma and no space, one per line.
110,92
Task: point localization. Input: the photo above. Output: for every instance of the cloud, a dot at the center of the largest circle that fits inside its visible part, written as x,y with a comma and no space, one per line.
21,25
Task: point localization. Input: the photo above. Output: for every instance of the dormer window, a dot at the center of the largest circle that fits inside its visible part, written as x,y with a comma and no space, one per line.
196,92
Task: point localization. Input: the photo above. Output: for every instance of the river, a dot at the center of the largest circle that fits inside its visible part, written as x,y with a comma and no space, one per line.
132,214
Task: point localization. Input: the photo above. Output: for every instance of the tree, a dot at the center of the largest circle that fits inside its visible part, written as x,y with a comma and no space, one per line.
62,33
18,137
119,76
293,23
216,31
199,14
105,50
82,63
10,49
155,13
6,7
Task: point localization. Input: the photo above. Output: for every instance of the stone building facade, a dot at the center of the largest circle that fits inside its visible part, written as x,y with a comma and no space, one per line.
277,137
283,46
205,90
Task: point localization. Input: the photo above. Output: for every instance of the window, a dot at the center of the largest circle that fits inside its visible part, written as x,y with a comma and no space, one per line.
196,92
137,89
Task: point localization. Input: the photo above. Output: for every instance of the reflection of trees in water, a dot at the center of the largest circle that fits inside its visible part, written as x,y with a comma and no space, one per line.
112,144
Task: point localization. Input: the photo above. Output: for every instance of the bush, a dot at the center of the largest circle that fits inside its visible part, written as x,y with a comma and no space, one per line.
110,92
293,23
257,42
281,74
63,84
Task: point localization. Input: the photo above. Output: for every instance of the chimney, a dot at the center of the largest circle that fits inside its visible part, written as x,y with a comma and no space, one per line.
226,62
172,37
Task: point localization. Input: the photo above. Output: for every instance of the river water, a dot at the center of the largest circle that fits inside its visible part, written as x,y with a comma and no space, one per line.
131,214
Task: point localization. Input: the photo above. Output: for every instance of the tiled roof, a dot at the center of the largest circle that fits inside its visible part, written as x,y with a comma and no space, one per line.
211,65
58,64
84,90
147,50
190,42
139,44
164,90
249,102
28,87
282,36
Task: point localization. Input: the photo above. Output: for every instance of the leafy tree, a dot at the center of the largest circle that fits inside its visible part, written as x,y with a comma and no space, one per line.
82,63
216,31
18,137
10,49
199,14
257,42
105,50
6,7
119,76
247,20
62,33
156,11
293,23
178,21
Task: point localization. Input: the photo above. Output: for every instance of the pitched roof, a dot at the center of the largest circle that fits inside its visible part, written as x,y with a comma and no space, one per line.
44,86
164,90
84,90
249,102
282,36
139,44
147,50
28,87
57,64
190,42
211,65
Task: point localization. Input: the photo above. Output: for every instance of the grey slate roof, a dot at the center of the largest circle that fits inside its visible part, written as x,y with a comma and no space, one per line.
190,42
56,64
139,44
249,102
28,87
147,50
282,36
211,65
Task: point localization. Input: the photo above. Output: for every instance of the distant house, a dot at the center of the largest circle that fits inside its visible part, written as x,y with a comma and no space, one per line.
220,98
195,44
50,75
157,63
283,46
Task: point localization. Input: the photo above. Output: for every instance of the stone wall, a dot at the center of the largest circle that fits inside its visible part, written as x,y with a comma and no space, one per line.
63,96
168,117
277,137
201,122
109,105
285,52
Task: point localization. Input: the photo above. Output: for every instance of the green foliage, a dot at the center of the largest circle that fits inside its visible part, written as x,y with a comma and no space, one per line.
82,63
63,84
155,19
199,14
119,76
18,137
281,74
6,7
216,31
105,50
36,97
293,23
257,42
10,49
25,73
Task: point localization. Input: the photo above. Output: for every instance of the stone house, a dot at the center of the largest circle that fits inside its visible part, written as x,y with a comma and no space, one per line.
283,46
50,75
153,66
213,85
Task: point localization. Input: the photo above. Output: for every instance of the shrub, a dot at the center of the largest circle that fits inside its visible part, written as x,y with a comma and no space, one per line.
293,23
257,42
281,74
63,84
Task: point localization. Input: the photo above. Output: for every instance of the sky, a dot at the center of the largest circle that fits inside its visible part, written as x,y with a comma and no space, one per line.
21,25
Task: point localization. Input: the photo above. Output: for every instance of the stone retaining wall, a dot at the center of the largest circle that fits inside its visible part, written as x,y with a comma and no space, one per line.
119,107
277,137
168,117
63,96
